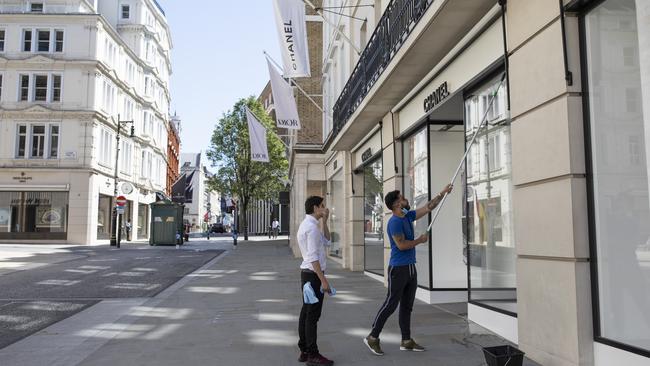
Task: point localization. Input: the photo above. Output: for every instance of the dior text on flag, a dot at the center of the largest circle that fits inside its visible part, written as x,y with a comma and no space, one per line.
257,136
286,111
292,31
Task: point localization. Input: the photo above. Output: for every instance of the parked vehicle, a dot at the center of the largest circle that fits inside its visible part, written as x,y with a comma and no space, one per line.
217,228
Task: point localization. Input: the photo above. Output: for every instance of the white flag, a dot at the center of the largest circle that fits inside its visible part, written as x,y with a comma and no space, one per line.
292,30
257,136
286,111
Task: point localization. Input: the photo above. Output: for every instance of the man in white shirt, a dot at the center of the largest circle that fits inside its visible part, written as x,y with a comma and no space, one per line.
312,242
275,225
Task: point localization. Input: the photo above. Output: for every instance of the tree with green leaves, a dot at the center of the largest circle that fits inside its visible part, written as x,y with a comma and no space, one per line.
230,153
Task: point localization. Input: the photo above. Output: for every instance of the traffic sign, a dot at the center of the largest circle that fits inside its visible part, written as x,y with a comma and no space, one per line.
120,201
120,210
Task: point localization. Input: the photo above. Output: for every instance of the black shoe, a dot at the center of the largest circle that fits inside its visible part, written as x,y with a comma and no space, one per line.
319,360
303,357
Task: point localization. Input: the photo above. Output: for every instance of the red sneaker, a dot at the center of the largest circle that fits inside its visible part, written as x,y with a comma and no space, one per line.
303,357
319,360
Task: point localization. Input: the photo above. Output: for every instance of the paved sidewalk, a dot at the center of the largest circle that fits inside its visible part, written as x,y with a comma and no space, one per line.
241,309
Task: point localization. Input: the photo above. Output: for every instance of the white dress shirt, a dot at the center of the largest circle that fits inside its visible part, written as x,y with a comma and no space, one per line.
312,244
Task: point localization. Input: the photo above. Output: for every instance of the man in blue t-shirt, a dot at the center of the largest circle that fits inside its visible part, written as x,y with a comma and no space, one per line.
402,276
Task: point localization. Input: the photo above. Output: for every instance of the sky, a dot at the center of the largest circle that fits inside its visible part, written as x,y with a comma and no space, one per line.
217,59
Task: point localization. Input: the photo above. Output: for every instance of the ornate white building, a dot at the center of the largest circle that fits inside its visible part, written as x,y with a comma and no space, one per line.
69,70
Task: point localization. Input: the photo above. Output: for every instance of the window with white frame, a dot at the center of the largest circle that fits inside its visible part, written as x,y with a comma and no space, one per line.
54,142
39,88
125,12
27,40
40,140
58,40
110,52
2,40
36,7
105,147
126,157
43,40
109,97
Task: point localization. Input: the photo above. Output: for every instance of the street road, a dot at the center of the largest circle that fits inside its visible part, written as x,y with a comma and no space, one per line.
79,277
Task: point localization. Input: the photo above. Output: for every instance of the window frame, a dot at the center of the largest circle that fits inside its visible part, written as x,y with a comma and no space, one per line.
31,87
34,40
128,11
583,10
28,141
3,39
37,48
30,7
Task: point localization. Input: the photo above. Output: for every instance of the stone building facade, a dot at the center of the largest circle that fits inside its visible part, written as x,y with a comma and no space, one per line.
545,236
73,74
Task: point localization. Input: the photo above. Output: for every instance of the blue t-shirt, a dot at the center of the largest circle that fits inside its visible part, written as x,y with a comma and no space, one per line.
401,225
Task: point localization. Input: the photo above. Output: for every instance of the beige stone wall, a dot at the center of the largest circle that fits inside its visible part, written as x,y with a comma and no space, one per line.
550,200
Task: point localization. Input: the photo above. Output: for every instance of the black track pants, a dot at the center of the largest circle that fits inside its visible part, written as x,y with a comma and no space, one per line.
402,285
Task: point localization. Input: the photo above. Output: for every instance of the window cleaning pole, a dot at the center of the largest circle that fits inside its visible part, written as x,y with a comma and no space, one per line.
460,165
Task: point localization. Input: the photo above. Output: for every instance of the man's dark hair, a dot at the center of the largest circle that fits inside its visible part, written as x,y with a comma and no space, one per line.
311,202
391,198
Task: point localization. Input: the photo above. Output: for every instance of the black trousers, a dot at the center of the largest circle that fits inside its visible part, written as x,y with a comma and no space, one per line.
309,315
402,285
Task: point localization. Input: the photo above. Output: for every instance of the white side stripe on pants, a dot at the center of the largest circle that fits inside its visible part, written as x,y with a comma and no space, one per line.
387,298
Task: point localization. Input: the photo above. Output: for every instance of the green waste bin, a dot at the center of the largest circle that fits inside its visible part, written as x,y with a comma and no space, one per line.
166,223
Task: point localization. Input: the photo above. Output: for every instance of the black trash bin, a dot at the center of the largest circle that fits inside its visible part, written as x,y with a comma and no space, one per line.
503,356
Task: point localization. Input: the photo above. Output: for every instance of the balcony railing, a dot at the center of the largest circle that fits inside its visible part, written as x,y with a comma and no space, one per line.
394,27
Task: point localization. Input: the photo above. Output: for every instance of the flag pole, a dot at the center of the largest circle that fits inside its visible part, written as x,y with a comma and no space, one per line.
294,83
469,146
336,28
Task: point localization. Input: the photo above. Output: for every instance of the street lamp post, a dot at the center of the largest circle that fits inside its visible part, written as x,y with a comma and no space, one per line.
114,219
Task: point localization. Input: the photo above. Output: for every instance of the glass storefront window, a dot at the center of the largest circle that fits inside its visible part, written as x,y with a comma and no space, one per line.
143,221
33,215
104,217
336,206
617,36
373,208
416,190
488,211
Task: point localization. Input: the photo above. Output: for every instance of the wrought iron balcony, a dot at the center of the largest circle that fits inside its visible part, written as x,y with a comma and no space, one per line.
394,27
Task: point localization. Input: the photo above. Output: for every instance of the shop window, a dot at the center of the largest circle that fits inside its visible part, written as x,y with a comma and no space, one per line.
416,190
373,209
619,122
104,217
489,230
336,204
33,215
143,221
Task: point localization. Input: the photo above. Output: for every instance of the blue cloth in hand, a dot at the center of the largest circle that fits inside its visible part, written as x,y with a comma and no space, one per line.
332,291
308,294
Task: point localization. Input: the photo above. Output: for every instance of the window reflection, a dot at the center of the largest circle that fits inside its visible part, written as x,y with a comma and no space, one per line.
618,80
373,218
488,196
336,205
416,190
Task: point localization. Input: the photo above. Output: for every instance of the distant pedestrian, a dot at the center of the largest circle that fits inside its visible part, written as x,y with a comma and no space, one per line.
275,226
402,274
312,241
128,228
